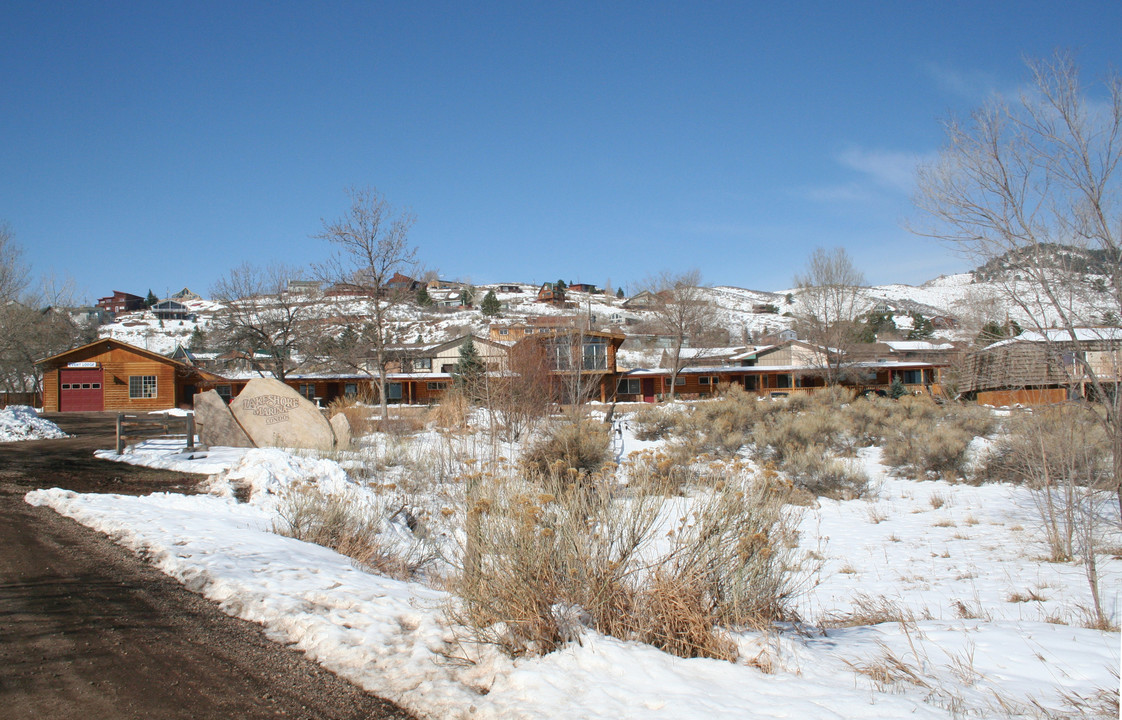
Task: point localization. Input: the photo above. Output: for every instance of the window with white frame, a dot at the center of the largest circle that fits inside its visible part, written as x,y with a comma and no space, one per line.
142,386
423,363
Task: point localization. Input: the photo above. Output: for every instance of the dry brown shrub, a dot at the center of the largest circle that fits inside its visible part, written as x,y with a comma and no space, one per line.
546,555
869,420
654,422
782,434
659,472
582,446
924,443
813,469
349,528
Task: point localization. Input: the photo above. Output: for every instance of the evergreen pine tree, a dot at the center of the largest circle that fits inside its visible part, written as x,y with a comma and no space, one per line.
490,305
469,368
197,341
921,328
619,293
423,298
560,286
897,389
151,299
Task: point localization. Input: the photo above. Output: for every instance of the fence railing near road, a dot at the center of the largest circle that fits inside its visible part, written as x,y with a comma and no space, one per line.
137,427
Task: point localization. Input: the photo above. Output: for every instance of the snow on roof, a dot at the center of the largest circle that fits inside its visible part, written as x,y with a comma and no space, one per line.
912,345
1110,334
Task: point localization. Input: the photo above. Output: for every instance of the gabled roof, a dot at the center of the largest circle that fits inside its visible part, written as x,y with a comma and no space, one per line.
111,343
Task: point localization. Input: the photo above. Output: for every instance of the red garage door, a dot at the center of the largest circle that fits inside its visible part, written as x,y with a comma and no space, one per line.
80,390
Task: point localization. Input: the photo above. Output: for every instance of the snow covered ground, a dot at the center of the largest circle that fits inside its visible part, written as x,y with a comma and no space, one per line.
962,565
20,422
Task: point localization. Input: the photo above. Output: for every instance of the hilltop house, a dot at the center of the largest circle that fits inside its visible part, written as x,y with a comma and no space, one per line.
120,302
552,294
172,310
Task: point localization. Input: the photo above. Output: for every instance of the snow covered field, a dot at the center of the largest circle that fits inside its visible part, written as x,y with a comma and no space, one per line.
988,627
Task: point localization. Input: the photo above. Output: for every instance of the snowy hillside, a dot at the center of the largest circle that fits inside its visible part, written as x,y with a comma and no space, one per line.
744,314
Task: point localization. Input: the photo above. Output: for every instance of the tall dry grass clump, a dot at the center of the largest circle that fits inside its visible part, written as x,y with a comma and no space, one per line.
543,559
359,413
452,412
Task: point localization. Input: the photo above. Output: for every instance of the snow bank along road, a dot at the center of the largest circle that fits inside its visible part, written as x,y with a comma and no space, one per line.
87,630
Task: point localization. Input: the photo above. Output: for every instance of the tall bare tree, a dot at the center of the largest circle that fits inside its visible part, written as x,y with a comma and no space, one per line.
1032,185
13,272
681,311
371,239
259,314
35,321
829,306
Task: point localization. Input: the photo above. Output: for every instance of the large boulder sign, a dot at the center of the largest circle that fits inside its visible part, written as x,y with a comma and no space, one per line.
270,414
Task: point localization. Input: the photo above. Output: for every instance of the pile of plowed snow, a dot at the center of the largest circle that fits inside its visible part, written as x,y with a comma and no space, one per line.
20,422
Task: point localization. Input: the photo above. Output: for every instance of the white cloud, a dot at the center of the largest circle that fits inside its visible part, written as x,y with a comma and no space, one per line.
887,169
974,85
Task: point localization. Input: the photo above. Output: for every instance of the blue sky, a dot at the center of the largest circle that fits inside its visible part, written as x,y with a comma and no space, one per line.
159,144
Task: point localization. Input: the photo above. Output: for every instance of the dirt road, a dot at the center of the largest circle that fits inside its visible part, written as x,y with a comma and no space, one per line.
88,631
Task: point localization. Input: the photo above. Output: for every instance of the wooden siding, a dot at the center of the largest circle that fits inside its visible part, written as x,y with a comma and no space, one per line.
118,365
1003,398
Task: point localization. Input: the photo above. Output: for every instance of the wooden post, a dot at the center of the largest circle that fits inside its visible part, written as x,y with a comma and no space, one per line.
120,438
191,431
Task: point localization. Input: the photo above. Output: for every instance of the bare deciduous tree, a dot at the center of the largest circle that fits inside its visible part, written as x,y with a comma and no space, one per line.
259,314
1034,185
372,243
829,306
681,311
13,273
34,323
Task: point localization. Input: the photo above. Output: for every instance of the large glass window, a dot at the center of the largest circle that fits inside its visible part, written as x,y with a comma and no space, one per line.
142,386
628,386
595,354
560,354
913,377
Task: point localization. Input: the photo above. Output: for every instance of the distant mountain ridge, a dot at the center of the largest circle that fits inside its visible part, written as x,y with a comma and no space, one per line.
1070,258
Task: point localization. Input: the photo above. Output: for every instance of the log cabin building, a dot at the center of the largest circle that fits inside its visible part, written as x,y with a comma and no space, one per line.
112,375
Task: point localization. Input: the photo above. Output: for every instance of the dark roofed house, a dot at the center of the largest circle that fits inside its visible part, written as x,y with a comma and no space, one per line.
551,293
120,302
